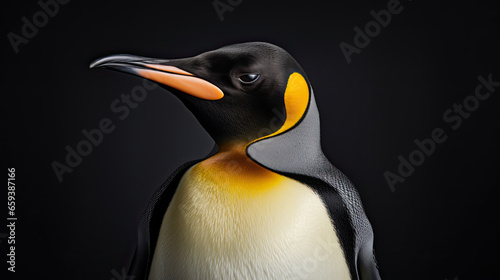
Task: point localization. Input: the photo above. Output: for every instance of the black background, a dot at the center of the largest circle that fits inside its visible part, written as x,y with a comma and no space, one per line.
442,222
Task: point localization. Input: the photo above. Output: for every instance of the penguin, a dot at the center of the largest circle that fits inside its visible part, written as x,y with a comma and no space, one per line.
267,203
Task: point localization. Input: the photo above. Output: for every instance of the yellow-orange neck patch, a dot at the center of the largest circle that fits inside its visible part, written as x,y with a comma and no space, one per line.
234,170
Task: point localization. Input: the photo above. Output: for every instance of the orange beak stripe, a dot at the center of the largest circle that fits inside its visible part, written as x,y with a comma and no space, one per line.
184,82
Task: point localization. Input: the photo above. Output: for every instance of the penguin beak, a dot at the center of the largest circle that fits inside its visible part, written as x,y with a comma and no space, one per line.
161,71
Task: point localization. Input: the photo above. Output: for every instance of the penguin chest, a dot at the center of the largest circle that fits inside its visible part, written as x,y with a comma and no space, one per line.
234,223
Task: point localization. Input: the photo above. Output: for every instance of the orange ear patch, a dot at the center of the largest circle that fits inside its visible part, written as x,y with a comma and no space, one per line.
296,101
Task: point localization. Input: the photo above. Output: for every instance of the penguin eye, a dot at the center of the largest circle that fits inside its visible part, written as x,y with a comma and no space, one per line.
248,78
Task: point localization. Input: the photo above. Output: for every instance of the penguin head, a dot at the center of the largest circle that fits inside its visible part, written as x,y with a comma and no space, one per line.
239,93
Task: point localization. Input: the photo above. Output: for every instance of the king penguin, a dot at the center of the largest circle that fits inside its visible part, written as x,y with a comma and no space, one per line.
267,204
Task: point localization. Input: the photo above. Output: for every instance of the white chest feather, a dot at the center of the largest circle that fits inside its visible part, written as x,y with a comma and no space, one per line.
229,224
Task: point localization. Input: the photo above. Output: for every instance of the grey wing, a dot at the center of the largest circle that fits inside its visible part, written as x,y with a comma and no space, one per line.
366,264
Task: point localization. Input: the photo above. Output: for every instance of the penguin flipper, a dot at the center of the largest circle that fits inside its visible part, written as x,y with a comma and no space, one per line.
150,223
367,265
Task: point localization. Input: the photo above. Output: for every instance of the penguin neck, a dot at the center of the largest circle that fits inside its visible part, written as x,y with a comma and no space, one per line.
232,162
233,153
232,147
